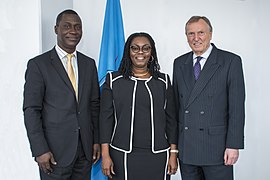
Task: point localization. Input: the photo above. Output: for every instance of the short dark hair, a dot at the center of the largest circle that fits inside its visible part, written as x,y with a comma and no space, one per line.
125,67
60,15
196,19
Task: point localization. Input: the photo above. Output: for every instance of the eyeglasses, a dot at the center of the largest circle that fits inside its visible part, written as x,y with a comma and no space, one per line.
145,48
192,34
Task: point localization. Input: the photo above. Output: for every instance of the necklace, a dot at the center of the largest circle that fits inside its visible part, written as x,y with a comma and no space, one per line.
140,74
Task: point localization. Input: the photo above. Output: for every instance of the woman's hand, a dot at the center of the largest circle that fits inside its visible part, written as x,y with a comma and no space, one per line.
107,163
172,164
107,166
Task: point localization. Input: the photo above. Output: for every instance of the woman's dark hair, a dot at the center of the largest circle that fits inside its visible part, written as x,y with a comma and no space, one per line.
125,67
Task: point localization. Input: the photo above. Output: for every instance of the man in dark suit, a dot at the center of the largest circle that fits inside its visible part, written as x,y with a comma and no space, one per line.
61,106
210,94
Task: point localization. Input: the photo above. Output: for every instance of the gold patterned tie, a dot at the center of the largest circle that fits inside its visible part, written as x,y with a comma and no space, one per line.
71,73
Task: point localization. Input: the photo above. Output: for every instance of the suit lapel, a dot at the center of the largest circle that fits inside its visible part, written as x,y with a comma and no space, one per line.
187,72
206,74
57,64
81,72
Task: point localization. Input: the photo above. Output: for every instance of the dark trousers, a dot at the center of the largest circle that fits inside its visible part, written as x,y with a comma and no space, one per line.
79,169
213,172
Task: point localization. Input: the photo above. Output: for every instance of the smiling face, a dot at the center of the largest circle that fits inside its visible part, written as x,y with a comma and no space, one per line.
69,32
140,52
198,36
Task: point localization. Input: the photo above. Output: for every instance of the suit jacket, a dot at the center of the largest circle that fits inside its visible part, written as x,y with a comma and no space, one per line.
210,110
118,107
53,117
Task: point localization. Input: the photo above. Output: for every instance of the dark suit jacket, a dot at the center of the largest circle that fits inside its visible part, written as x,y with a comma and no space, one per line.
118,104
53,118
211,110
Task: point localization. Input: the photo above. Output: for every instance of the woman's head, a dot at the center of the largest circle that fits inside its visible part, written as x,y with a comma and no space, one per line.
139,52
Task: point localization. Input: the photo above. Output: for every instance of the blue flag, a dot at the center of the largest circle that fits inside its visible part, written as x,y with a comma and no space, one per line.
96,173
111,52
113,40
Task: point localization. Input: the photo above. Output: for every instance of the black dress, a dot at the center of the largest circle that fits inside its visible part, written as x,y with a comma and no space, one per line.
141,163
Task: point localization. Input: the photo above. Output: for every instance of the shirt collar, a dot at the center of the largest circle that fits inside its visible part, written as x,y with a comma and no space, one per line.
62,54
205,54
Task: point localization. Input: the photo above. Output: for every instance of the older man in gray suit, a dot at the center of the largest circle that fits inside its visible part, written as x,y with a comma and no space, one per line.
210,94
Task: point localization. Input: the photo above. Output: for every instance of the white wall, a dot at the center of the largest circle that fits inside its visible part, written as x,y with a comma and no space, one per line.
241,26
19,41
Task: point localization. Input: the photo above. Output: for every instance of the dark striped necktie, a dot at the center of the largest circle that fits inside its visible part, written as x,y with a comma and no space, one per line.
197,67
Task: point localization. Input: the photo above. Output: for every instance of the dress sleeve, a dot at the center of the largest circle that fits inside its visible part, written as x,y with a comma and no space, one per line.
171,122
106,121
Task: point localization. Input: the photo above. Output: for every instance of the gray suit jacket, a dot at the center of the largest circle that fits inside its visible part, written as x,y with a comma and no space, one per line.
53,118
210,110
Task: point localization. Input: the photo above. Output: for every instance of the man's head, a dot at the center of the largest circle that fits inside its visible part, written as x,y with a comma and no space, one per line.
199,34
68,29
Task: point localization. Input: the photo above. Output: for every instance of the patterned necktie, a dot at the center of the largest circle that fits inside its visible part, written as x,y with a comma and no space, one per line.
71,73
197,67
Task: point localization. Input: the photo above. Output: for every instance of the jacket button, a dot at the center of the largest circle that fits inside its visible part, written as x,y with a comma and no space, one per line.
79,112
186,128
186,111
77,130
202,112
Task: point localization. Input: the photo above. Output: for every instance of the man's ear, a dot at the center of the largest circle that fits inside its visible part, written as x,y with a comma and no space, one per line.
56,29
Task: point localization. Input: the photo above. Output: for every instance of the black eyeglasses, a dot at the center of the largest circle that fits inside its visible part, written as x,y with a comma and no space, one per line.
145,48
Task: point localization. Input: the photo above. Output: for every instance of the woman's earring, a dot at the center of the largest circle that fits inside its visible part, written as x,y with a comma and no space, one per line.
152,59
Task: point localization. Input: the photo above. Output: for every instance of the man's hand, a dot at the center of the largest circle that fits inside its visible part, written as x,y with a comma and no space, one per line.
96,153
44,162
230,156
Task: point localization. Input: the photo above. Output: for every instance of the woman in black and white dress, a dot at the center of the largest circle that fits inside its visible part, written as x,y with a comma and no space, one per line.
138,127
